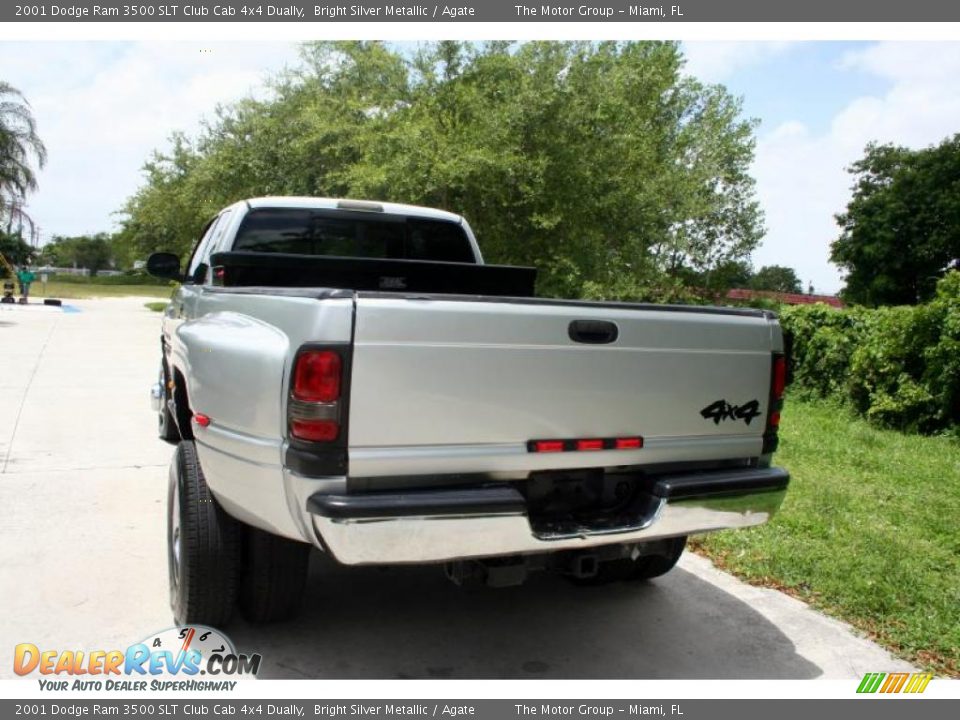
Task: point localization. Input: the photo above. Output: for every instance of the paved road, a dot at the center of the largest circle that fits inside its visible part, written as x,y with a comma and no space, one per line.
83,564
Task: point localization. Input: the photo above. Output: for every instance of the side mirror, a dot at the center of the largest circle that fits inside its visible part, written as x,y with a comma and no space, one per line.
164,265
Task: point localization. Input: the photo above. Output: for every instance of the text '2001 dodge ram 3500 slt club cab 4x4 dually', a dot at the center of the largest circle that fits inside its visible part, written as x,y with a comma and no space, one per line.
350,375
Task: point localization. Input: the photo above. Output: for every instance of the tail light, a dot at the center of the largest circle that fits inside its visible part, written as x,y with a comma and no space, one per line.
778,385
317,376
779,382
314,407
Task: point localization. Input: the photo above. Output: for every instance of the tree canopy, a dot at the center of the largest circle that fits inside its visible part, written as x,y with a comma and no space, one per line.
20,149
93,252
600,163
15,249
776,278
901,230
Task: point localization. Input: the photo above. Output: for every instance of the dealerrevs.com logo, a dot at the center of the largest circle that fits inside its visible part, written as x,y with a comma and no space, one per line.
195,657
894,682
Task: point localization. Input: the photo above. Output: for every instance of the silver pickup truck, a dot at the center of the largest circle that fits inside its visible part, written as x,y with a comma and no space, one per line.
350,376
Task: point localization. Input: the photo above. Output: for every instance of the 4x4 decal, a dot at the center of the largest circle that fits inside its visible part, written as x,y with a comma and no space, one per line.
722,410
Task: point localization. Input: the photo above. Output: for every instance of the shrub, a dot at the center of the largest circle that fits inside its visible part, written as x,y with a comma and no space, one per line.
820,341
942,373
888,366
898,366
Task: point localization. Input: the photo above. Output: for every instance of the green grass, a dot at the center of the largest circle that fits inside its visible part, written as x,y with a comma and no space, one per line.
869,532
156,306
77,290
124,279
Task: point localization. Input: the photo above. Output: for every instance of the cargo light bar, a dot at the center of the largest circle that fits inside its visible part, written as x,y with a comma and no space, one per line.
585,444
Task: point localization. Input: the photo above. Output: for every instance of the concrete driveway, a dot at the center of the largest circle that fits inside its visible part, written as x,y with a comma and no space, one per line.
83,558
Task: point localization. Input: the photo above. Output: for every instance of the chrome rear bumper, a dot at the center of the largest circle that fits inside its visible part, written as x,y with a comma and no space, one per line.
436,526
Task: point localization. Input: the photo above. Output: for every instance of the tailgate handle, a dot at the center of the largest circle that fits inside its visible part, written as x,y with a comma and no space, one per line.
593,332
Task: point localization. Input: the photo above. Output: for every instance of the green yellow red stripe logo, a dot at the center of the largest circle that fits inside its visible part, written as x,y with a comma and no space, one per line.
894,682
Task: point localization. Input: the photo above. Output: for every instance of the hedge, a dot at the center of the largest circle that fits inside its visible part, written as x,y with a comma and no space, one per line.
897,366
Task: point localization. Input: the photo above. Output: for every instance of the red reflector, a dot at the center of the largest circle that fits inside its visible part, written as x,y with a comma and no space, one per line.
779,381
317,376
633,443
316,430
589,444
775,420
548,446
201,419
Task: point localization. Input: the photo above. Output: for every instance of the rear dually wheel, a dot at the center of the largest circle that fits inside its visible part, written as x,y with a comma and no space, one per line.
203,545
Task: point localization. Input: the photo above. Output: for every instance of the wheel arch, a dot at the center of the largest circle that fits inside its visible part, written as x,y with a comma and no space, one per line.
182,413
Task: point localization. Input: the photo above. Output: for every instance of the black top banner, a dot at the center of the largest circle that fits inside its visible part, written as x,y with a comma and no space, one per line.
621,11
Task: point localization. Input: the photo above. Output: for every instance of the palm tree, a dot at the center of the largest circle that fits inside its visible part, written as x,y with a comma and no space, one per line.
20,147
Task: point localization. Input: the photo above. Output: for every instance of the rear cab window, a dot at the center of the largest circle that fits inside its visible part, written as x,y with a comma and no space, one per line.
340,233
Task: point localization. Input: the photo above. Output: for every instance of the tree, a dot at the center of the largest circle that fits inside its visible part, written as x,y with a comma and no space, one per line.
729,274
15,249
715,282
93,252
901,230
20,148
600,163
776,278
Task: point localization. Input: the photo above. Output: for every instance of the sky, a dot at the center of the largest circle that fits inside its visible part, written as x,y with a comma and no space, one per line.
103,107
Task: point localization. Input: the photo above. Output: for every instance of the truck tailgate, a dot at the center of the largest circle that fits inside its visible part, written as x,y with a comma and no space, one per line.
459,384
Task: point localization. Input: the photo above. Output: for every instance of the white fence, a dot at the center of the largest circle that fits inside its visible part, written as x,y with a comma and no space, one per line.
82,272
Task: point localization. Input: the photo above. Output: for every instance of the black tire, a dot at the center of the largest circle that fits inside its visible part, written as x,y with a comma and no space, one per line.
273,576
644,567
167,430
203,546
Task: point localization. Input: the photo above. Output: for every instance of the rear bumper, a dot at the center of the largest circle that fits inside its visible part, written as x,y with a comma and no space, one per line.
455,524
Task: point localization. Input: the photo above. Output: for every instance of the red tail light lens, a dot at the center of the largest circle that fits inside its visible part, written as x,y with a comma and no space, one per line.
779,382
317,376
634,443
315,430
589,444
548,446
